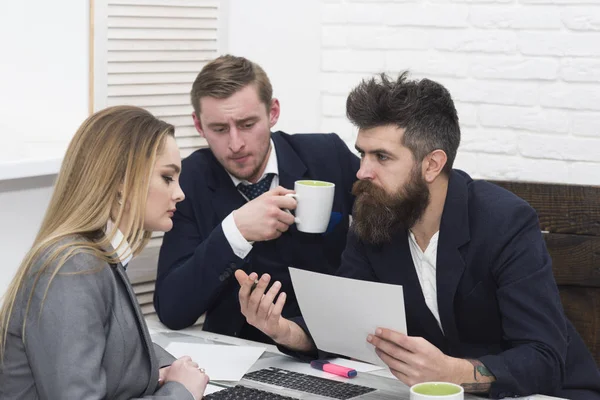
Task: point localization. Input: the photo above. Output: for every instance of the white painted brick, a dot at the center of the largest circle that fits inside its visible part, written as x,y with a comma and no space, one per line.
382,37
558,148
501,167
582,18
568,2
466,161
475,41
524,74
586,124
584,173
334,106
334,13
560,44
434,15
341,126
341,83
366,13
527,118
572,96
493,92
580,70
352,61
353,13
486,140
427,63
516,17
334,36
382,1
517,67
467,114
473,1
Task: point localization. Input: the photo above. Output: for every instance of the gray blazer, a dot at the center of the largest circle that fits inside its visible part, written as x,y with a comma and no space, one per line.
89,342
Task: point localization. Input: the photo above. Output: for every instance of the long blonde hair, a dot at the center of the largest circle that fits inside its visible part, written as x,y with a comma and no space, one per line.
106,168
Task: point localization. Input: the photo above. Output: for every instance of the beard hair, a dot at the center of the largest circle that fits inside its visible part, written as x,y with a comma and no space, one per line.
377,215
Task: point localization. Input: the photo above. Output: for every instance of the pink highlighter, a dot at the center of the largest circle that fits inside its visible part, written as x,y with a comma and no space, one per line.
333,368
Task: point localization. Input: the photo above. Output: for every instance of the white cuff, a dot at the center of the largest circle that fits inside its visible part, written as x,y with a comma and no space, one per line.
240,246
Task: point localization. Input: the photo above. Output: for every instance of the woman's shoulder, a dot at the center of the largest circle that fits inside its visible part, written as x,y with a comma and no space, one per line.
72,263
66,274
75,254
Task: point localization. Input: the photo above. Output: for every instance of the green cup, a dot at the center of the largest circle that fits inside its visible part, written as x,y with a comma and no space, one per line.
436,391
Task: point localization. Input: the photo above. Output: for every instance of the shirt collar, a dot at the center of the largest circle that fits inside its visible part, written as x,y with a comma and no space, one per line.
119,243
271,168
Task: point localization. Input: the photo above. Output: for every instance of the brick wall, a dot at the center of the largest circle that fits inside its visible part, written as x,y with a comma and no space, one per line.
524,74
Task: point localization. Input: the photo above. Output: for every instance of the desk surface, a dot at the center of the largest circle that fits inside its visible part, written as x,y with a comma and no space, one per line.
274,358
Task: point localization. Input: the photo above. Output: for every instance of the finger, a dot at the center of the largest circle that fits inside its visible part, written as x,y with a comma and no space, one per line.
393,363
281,227
267,301
257,293
285,217
162,373
193,365
280,191
390,348
400,339
403,377
185,359
285,202
241,276
275,312
245,287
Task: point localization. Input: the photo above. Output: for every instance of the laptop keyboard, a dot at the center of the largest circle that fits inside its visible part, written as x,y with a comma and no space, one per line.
245,393
308,383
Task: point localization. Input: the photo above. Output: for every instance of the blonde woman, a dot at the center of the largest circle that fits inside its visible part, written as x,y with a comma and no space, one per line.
70,325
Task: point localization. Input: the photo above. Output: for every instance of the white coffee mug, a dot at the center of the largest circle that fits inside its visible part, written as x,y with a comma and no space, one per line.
315,200
437,391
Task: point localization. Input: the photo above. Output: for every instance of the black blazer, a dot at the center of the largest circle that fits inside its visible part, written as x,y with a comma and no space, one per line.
196,263
497,297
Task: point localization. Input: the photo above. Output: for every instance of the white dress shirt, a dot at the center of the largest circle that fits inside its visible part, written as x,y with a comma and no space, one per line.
240,246
425,265
119,243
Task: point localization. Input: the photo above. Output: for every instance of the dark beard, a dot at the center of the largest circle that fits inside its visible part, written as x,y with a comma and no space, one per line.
377,215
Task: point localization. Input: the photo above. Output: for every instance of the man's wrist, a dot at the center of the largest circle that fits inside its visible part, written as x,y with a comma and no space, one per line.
474,376
461,370
295,339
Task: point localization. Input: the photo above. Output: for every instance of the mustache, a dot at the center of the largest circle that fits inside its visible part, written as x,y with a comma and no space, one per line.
366,187
377,214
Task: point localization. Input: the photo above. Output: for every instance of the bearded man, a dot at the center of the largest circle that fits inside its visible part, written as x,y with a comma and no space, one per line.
482,306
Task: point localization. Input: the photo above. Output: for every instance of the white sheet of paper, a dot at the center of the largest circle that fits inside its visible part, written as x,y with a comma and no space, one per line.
212,389
341,312
357,365
221,362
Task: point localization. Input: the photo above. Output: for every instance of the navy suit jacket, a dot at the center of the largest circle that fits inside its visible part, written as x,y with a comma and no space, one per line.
497,297
196,263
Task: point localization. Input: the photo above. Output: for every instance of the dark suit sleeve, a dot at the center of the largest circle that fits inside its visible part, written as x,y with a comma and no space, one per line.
533,323
194,265
355,266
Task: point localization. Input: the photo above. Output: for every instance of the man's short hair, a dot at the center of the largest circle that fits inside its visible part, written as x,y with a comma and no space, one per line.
423,108
226,75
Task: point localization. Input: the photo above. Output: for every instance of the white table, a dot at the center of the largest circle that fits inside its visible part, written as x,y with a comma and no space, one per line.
381,378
